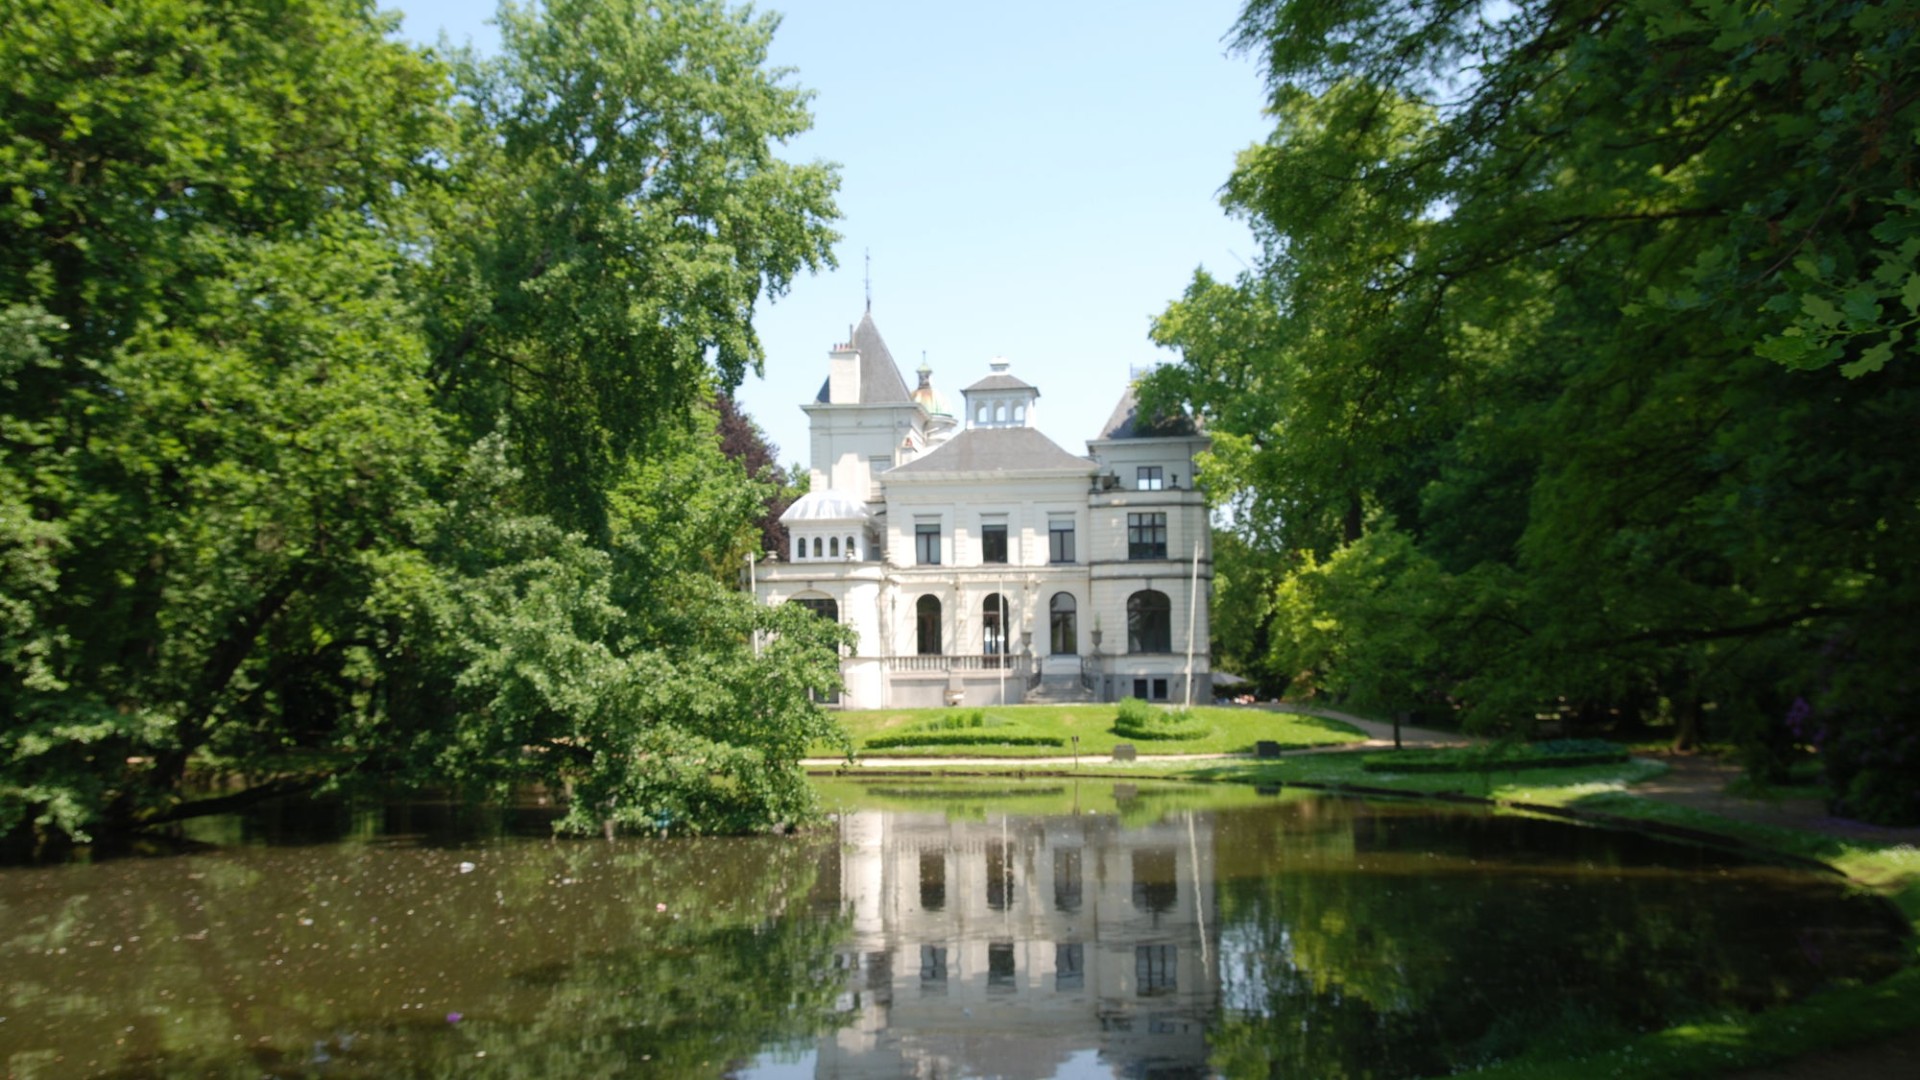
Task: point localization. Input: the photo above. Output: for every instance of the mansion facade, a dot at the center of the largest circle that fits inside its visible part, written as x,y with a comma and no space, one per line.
978,562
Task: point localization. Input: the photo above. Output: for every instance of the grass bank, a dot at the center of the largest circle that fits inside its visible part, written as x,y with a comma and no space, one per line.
1222,731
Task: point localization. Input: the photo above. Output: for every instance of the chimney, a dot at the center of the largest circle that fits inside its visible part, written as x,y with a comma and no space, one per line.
843,373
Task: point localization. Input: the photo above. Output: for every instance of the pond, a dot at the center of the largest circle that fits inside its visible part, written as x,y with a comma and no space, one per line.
1028,930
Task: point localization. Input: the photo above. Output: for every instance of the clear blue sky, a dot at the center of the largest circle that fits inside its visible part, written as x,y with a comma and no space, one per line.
1034,180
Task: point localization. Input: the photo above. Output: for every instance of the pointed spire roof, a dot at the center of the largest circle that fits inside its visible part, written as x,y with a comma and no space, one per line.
880,381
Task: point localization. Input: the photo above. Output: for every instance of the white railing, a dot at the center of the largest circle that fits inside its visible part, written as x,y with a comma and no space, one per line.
961,662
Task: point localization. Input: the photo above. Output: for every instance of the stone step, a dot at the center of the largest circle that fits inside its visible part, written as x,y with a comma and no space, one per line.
1060,690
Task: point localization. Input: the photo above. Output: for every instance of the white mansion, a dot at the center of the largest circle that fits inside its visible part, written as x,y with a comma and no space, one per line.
979,562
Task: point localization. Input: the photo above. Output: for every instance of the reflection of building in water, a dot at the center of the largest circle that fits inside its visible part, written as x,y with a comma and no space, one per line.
989,948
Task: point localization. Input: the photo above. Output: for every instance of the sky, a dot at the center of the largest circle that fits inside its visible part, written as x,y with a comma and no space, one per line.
1034,181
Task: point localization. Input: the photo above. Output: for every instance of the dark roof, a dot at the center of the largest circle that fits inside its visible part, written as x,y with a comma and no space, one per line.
1127,423
1000,381
880,381
1009,449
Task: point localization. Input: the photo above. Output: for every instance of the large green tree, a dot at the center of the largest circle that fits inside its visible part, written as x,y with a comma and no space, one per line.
621,210
1577,365
338,386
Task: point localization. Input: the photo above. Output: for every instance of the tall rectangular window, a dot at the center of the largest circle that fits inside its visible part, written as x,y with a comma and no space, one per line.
926,543
1147,536
1069,966
1155,969
1149,478
1060,540
993,543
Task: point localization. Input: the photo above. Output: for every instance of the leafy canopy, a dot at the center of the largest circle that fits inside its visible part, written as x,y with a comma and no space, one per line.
356,410
1571,374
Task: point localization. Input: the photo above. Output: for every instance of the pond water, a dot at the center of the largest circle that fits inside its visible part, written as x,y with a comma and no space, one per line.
1063,929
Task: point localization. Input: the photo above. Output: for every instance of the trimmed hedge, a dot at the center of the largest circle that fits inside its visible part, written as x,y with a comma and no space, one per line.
1557,754
963,737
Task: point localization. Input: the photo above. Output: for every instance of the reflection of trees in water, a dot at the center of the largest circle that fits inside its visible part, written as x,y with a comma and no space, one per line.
557,959
1437,946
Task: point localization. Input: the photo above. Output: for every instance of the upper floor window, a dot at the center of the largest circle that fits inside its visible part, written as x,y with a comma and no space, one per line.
1147,536
993,542
1060,541
926,543
1149,478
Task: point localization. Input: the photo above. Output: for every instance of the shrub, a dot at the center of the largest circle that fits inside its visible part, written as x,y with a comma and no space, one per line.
985,737
1139,720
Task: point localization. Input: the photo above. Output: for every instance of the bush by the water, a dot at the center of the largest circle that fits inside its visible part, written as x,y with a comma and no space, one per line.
1139,720
1552,754
973,728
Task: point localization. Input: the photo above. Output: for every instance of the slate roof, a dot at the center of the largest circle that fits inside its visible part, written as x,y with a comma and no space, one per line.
999,381
826,505
1008,449
880,381
1127,423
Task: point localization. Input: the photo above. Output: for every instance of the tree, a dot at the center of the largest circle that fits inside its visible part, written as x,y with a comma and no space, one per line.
742,440
1603,308
216,426
356,419
622,211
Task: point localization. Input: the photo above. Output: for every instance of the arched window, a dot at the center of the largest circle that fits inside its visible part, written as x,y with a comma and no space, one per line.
1065,637
817,551
980,413
1149,622
926,626
823,606
799,548
1019,414
826,608
833,546
1000,412
993,626
852,552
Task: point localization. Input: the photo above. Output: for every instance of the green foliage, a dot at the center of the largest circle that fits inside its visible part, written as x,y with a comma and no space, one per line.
1089,729
1136,719
358,411
621,212
1565,381
986,737
971,728
1551,754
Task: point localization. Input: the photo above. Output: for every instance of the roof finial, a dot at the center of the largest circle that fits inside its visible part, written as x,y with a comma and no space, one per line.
869,254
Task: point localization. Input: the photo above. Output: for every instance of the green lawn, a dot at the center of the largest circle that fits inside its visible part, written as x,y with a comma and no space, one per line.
1229,731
